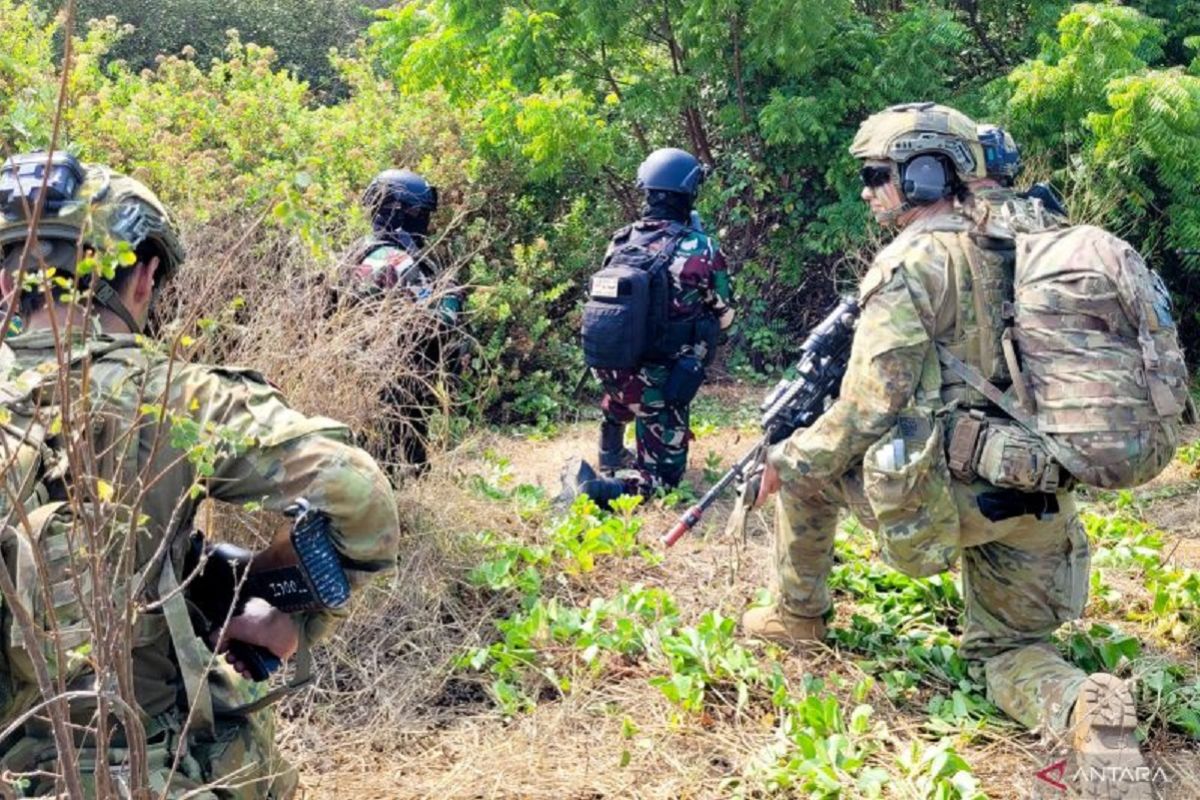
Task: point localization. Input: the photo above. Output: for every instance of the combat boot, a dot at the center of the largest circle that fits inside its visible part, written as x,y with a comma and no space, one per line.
1108,764
613,453
578,478
776,625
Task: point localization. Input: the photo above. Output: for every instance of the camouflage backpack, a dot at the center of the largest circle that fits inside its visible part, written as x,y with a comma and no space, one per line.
42,538
1098,373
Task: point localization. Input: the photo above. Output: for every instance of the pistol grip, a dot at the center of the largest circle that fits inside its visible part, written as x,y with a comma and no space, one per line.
259,661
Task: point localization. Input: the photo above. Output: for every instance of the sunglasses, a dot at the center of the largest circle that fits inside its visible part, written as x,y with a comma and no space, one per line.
875,176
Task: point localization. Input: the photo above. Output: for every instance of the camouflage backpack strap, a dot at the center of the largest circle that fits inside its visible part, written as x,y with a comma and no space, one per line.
193,657
1008,403
994,313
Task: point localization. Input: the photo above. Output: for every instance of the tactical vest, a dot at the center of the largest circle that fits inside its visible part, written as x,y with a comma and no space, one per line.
969,320
43,545
971,326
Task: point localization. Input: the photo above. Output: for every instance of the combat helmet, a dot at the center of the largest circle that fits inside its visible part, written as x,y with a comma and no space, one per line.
670,169
1002,157
936,151
905,131
82,206
400,199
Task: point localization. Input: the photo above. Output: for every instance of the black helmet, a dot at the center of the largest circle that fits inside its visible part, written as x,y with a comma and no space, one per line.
401,186
400,199
671,170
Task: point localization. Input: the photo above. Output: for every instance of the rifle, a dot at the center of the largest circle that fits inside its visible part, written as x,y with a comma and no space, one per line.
299,571
791,405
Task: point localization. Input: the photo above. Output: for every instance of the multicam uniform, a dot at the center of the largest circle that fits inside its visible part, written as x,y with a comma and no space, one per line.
700,289
1023,576
279,455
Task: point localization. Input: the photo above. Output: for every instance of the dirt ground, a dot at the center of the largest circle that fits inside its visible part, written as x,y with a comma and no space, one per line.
412,729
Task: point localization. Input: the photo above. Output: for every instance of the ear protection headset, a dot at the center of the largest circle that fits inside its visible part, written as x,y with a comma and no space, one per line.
925,179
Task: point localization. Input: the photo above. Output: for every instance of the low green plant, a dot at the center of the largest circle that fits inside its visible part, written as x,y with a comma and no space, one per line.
712,467
1167,693
586,533
938,772
818,750
498,483
1123,541
547,645
707,659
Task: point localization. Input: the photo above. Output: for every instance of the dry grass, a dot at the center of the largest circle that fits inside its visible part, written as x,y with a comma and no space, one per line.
280,310
388,720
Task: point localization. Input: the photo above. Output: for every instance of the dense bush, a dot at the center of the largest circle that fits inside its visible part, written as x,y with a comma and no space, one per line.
301,31
533,119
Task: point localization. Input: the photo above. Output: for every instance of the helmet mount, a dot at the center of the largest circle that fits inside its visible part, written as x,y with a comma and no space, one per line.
70,207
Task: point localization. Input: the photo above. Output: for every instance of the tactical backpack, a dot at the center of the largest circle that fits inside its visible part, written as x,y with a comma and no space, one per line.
41,543
626,319
1093,352
48,619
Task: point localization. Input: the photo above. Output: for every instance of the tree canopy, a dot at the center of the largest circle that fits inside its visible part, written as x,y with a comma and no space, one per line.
534,116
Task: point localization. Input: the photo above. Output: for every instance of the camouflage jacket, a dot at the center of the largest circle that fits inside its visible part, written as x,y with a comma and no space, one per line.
227,435
382,264
916,292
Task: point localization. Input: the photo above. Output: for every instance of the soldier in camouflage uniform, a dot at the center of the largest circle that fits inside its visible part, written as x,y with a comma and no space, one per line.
995,200
875,452
701,299
395,257
197,742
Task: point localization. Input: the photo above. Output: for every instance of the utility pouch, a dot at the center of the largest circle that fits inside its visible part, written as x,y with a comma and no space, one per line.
1010,457
962,454
708,331
687,374
614,318
1001,453
907,484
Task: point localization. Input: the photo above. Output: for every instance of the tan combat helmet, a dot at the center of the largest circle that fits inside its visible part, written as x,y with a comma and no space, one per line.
901,132
82,206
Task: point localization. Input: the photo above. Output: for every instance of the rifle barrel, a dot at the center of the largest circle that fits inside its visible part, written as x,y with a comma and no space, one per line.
693,515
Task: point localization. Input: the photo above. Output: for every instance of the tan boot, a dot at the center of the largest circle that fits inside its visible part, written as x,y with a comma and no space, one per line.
776,625
1108,763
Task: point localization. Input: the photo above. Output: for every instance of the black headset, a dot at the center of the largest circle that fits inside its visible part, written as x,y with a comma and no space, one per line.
926,179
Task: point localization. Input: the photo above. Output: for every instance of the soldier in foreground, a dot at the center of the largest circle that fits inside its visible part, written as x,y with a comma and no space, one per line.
918,453
395,258
655,313
201,740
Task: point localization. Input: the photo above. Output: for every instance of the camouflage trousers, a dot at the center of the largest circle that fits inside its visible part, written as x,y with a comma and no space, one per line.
1022,578
663,430
237,760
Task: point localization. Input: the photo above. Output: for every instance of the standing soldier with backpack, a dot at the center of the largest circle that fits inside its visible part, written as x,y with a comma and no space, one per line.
655,313
109,446
926,447
395,258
